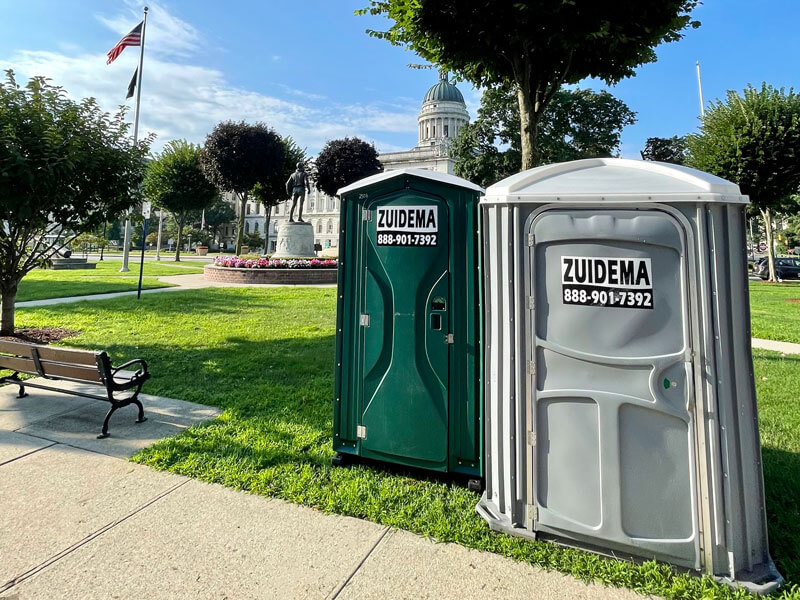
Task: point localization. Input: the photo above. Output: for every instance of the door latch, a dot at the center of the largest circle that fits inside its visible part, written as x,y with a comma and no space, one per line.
364,321
361,432
448,339
366,214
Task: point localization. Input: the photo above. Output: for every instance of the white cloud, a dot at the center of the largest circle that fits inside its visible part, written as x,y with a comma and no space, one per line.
166,34
185,100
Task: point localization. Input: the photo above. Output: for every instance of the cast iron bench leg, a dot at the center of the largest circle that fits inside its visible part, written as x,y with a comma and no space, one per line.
22,392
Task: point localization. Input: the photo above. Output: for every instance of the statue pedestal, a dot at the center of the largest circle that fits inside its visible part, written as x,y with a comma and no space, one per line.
295,240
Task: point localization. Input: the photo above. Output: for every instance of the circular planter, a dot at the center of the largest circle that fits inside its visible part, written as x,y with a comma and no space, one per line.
279,276
201,250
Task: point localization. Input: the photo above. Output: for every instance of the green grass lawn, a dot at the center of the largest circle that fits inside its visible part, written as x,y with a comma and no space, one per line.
775,311
266,358
40,284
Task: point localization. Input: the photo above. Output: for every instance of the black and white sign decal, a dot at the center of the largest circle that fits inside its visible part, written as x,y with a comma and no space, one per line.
610,282
407,225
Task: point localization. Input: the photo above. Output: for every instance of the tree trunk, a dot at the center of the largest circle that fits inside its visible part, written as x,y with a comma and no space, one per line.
268,210
529,114
181,221
767,216
8,299
240,226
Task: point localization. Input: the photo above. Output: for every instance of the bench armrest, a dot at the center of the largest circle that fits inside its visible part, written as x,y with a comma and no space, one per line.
139,372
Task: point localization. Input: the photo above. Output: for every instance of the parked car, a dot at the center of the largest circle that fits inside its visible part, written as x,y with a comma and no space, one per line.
785,268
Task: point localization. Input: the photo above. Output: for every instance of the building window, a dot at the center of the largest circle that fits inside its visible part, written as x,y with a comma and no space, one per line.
331,203
434,130
256,227
330,226
446,130
247,227
247,211
258,209
319,226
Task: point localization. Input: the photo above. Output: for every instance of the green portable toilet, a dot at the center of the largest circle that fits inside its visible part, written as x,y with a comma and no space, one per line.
408,323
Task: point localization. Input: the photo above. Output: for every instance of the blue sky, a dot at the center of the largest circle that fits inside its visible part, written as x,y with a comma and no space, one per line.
309,70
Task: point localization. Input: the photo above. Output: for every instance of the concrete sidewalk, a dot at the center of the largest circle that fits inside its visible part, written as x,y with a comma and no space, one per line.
783,347
78,521
194,281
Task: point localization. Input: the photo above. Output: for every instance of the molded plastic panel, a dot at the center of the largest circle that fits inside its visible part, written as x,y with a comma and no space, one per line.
405,386
613,430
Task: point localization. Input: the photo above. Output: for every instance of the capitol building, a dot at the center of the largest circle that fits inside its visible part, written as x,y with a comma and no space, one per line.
440,120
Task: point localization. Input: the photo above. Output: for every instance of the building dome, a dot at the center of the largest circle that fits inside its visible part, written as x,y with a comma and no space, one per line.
443,113
444,91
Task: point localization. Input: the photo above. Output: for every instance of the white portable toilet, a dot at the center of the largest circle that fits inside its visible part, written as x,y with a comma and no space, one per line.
620,407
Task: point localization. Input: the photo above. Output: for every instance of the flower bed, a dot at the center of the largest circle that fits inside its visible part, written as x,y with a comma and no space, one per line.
292,271
235,262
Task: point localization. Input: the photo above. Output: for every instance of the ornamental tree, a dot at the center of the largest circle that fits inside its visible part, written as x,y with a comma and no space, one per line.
66,167
342,162
237,156
176,182
538,46
576,124
753,139
673,150
218,214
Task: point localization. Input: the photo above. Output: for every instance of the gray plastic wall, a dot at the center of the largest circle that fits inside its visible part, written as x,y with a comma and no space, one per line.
728,531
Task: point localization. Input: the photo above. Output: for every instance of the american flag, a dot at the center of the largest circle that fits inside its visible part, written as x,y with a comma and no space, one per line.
134,38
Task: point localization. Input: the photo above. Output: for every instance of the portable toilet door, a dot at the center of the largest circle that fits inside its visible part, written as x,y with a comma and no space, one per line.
617,324
407,386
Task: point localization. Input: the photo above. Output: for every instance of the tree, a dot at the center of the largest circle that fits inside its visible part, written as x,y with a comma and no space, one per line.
342,162
753,139
254,241
577,124
218,214
176,182
237,156
673,150
539,45
272,192
65,168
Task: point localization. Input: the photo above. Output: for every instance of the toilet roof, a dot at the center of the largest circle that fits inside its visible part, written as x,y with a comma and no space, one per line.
423,173
614,179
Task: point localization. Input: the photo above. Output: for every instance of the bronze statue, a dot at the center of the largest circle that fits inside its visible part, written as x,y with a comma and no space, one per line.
297,186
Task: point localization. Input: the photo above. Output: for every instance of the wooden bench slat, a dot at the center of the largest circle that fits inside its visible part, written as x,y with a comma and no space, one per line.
52,369
63,355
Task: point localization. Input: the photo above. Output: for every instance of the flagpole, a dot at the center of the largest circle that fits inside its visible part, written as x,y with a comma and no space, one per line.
127,243
700,90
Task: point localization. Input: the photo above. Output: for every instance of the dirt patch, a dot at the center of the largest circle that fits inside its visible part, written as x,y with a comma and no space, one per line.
793,300
41,335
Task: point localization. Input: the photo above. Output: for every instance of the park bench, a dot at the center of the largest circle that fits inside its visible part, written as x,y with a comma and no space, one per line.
79,366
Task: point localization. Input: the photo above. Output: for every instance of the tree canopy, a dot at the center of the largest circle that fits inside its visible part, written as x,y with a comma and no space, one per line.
237,156
342,162
220,213
753,139
65,168
175,181
673,150
272,192
577,124
538,45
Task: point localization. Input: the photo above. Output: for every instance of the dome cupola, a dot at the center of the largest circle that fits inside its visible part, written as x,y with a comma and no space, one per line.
443,113
443,91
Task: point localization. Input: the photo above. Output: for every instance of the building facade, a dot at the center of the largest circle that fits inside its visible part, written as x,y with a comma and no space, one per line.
440,120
